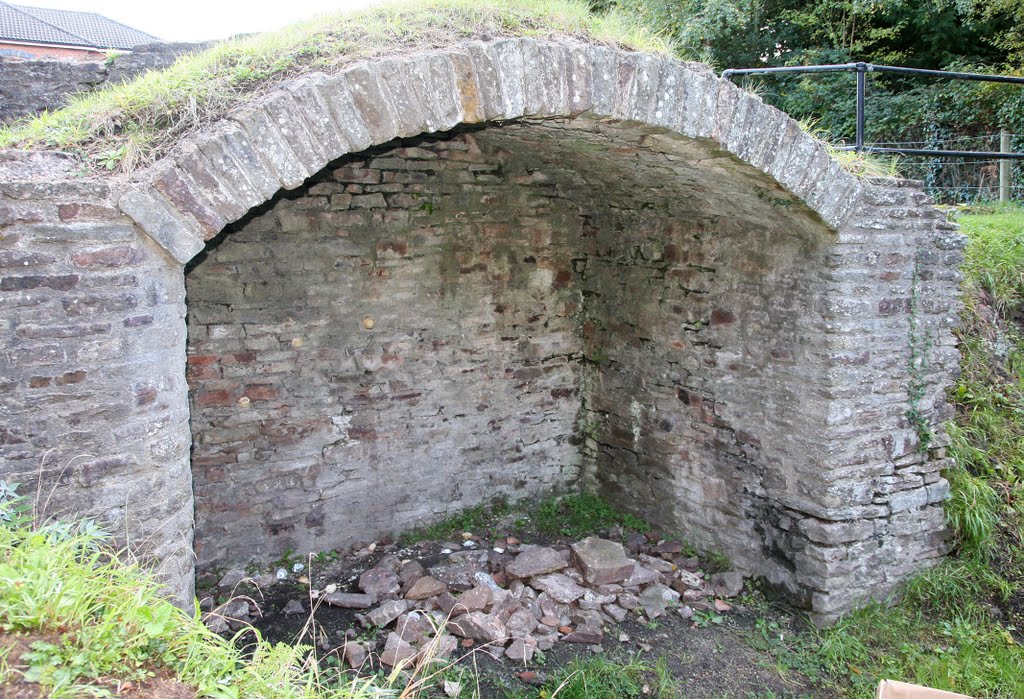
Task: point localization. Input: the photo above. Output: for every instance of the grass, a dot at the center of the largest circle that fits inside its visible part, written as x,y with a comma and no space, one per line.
946,632
122,127
581,515
988,432
477,520
87,620
601,677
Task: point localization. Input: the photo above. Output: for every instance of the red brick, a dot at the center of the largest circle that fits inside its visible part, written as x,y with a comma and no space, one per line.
107,257
214,398
261,392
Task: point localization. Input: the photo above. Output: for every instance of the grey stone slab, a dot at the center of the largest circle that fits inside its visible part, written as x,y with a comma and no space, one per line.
338,96
273,148
507,61
160,221
376,113
238,164
403,80
319,117
485,94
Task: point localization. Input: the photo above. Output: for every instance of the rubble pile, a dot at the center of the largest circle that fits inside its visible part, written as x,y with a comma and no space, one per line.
516,599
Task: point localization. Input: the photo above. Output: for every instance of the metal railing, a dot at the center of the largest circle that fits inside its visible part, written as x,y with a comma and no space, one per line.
862,69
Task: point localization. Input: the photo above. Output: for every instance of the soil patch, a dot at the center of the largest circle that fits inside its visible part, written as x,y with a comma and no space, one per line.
684,619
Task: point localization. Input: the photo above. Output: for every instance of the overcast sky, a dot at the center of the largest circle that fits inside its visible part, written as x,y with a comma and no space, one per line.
197,20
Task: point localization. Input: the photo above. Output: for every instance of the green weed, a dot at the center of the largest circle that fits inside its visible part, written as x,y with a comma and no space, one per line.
582,515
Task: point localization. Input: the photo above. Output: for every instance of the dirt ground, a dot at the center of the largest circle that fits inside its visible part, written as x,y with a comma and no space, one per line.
709,655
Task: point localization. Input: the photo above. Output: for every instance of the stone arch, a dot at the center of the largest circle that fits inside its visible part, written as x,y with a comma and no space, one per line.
281,140
841,506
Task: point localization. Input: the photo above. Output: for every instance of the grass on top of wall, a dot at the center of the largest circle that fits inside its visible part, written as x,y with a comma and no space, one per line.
122,127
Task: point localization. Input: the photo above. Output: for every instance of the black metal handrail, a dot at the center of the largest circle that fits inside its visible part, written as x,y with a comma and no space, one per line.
862,69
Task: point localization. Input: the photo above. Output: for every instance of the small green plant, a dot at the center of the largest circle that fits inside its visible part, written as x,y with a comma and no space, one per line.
474,519
704,619
581,515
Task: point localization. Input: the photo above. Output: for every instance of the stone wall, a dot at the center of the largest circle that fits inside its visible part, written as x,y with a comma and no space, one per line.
28,88
91,314
749,344
313,431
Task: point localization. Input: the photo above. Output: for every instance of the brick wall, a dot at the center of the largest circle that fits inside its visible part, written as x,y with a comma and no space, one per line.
312,431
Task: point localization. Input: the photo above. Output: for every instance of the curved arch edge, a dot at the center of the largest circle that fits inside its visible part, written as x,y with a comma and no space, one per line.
282,139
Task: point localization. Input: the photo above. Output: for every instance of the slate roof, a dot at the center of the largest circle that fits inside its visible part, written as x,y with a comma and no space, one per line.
67,28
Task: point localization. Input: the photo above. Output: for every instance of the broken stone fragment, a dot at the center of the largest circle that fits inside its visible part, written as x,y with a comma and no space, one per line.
658,564
414,627
380,582
669,547
654,599
521,624
217,624
642,576
234,612
474,600
551,621
728,584
410,572
521,650
486,580
616,612
479,627
601,561
457,573
232,579
694,581
396,651
534,561
686,611
293,608
592,600
446,603
584,634
628,601
505,606
437,649
355,654
693,595
349,600
425,587
559,587
584,617
545,641
390,562
386,613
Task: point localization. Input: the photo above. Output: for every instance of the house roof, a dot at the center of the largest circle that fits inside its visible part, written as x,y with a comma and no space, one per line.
67,28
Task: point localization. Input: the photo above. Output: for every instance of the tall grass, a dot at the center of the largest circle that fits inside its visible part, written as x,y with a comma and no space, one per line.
121,127
988,431
92,618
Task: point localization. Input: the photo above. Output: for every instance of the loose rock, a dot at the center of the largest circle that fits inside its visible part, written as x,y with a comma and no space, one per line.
479,627
425,587
387,612
728,584
379,582
396,650
559,587
349,600
535,561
